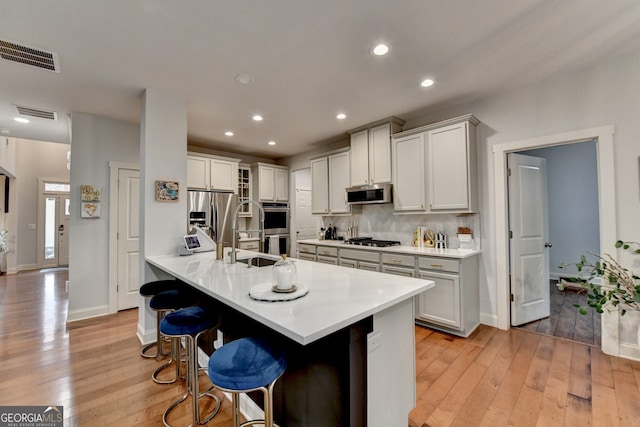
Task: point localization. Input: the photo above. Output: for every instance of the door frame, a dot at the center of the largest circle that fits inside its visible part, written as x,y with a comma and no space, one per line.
114,170
40,261
607,211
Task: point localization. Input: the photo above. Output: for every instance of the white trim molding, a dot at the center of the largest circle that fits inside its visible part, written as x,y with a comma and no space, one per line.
607,210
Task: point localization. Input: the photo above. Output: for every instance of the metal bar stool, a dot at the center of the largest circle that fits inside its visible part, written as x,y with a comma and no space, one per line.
189,323
244,365
165,303
149,290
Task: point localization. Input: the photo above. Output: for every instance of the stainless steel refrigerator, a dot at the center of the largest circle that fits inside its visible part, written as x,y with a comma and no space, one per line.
213,212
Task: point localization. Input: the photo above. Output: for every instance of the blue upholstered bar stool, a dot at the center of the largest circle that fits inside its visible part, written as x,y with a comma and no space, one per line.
149,290
165,303
245,365
189,323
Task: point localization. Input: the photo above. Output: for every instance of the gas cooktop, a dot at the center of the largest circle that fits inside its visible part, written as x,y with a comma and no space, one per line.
369,241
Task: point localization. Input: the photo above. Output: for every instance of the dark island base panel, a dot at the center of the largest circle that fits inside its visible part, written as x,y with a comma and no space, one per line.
325,381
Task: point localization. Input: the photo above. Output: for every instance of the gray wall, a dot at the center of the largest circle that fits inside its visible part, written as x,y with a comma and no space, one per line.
34,159
96,141
572,182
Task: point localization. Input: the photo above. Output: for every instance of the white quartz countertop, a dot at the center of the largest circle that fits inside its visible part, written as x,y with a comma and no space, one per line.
410,250
338,296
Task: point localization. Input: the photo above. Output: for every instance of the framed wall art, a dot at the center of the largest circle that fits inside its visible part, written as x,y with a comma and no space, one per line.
90,193
167,191
89,210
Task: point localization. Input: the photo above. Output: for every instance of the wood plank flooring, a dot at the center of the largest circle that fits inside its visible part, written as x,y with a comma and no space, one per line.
492,378
565,321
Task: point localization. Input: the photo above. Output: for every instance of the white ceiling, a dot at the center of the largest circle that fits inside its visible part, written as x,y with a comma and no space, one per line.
309,58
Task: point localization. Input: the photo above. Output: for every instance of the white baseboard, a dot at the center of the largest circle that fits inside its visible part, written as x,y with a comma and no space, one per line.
489,319
146,337
87,313
629,351
23,267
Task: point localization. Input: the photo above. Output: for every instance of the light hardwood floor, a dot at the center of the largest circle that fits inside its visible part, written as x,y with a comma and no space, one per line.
493,378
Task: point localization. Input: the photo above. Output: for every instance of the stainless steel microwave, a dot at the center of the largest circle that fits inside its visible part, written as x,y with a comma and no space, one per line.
368,194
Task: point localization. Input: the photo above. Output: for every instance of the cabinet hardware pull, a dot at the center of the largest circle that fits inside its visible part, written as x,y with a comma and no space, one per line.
399,261
437,265
325,252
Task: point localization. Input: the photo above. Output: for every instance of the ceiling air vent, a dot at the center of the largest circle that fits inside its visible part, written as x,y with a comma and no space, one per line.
29,56
36,112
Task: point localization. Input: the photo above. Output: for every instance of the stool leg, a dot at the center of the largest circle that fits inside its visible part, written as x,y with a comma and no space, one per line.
235,402
159,339
192,385
175,358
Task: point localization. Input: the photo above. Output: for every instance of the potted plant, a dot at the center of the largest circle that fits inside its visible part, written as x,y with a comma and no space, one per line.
3,251
609,285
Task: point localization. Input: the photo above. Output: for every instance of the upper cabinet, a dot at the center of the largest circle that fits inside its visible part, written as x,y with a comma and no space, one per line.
435,167
272,182
212,172
329,179
370,159
244,191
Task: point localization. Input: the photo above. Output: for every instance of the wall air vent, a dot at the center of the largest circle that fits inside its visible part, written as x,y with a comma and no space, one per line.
29,56
36,112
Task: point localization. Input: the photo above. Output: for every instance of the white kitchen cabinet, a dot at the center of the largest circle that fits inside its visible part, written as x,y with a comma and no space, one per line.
320,186
198,172
451,163
249,245
409,175
435,167
363,260
329,179
212,173
272,183
244,191
453,304
338,182
370,161
224,174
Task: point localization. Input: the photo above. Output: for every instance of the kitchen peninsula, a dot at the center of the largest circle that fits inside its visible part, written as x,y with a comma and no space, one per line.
350,340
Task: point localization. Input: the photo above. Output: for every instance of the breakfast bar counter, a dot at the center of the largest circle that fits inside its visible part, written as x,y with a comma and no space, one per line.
350,340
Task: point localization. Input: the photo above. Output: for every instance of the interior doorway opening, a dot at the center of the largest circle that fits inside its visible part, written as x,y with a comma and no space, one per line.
56,213
572,219
606,211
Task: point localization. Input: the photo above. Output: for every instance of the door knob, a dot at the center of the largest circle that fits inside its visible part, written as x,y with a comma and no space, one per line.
547,245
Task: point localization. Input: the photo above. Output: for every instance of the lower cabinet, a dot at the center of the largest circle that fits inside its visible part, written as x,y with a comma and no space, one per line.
249,245
452,305
327,255
363,260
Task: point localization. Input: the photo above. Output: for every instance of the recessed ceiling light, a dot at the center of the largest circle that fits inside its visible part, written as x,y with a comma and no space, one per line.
379,50
245,79
21,120
271,143
426,83
257,118
341,116
228,133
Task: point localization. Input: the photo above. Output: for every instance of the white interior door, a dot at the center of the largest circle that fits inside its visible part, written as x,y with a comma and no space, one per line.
528,226
305,222
128,237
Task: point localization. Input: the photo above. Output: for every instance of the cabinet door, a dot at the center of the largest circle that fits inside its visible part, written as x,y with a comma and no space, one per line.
244,191
282,185
441,304
359,160
363,265
409,174
348,263
448,168
266,181
380,154
197,168
320,186
224,175
338,182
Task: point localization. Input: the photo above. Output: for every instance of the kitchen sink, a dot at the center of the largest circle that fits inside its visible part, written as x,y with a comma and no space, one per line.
258,261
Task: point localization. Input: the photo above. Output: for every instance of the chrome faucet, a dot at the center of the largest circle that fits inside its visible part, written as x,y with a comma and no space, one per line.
233,254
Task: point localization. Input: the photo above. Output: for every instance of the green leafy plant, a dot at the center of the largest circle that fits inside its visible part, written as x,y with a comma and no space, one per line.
617,287
3,241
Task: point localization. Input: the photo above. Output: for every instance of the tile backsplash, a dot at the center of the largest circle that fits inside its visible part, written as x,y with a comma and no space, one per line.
380,222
